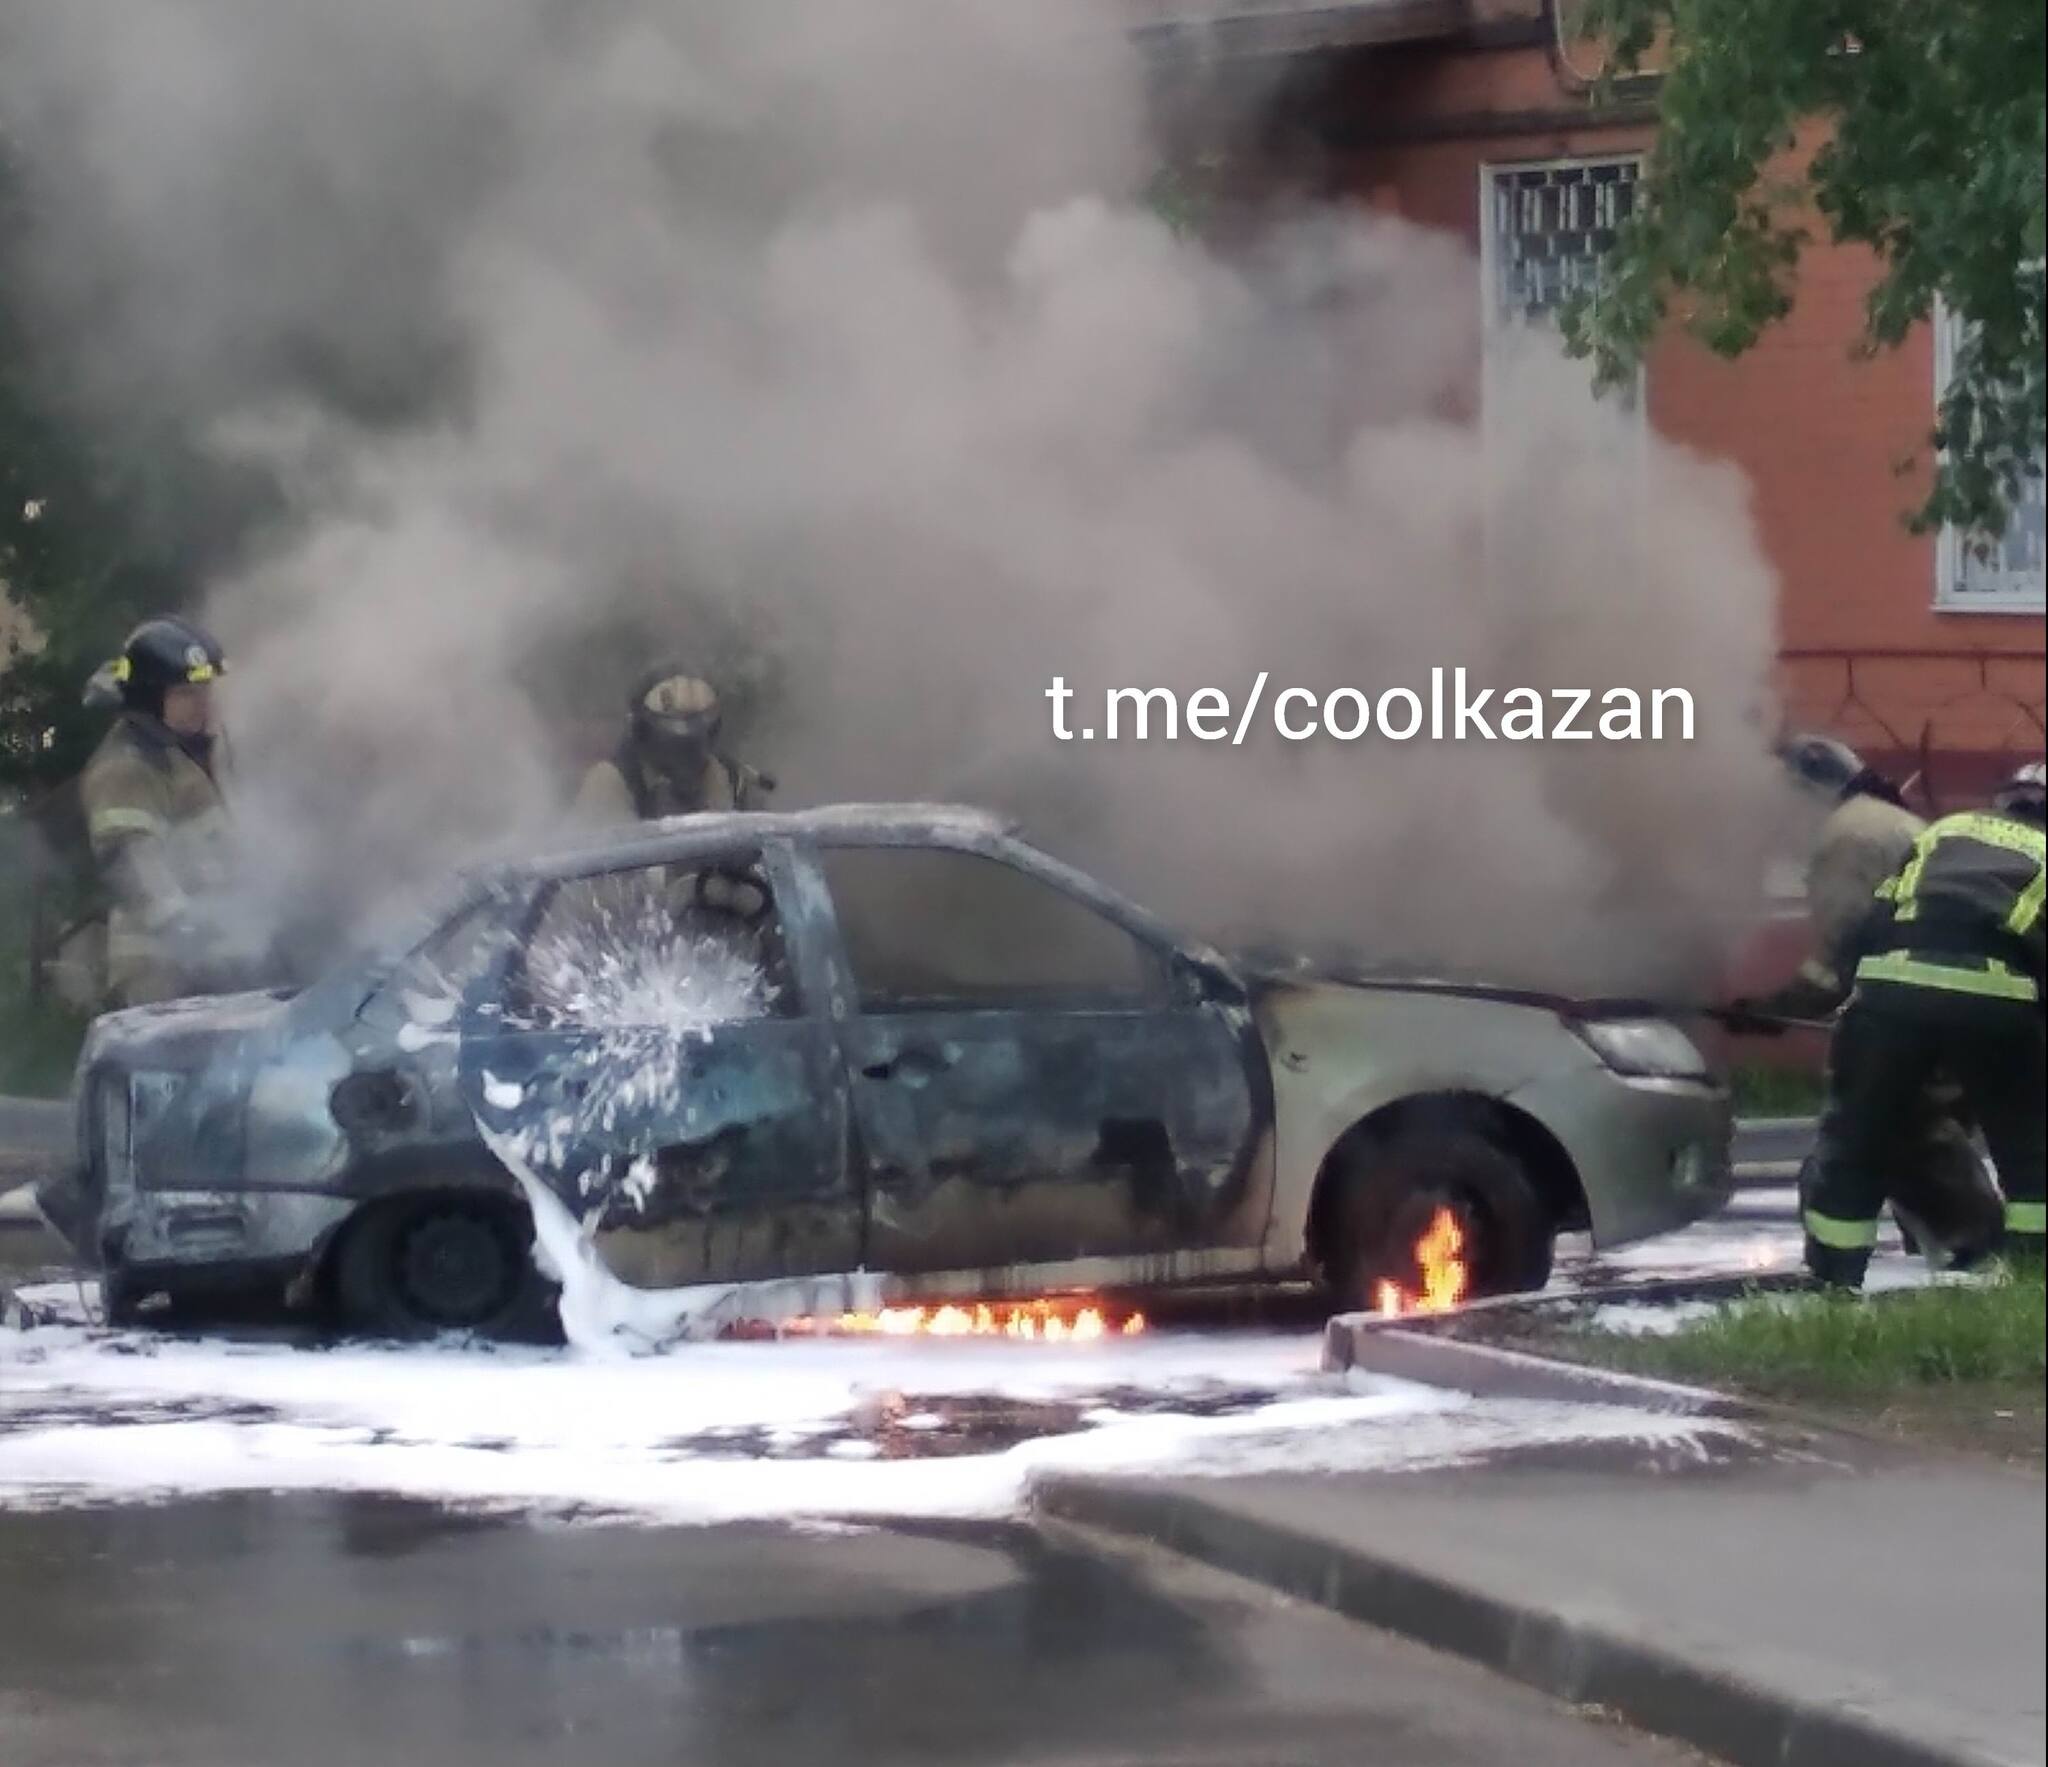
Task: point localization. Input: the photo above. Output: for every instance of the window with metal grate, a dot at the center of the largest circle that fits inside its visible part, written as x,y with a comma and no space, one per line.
1976,576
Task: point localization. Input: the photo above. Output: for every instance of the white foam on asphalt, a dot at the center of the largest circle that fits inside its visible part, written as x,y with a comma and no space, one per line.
94,1416
88,1415
1645,1319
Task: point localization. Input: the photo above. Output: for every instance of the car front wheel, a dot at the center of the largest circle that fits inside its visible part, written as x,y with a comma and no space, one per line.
1392,1196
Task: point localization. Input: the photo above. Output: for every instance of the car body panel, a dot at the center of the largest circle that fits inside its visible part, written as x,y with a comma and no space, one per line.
1343,1051
1044,1132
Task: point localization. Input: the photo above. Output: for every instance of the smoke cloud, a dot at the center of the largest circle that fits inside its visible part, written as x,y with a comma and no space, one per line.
836,336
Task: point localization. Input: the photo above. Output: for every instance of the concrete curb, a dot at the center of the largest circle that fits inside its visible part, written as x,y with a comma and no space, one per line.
1773,1140
1696,1703
1371,1346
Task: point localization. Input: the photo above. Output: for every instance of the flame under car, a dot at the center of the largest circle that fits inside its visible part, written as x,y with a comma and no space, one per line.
894,1039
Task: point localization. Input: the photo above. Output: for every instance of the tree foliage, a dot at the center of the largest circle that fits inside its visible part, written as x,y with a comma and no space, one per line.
1931,150
105,518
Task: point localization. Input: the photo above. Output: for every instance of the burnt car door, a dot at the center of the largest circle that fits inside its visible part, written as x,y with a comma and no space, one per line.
648,1046
1033,1078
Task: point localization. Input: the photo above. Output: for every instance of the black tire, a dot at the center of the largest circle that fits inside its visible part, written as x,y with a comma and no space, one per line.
436,1264
1392,1188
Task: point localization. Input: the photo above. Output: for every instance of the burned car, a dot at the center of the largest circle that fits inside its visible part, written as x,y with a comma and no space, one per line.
895,1039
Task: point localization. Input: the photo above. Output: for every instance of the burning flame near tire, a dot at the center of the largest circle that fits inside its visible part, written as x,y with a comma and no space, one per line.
1440,1256
1052,1322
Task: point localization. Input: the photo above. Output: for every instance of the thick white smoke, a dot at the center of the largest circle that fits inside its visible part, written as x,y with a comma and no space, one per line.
842,324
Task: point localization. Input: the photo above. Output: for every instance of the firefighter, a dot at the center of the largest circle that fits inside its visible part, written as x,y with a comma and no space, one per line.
1948,979
668,762
1944,1202
155,814
1864,839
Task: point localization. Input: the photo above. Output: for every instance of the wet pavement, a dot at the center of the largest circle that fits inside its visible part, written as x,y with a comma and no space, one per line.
246,1632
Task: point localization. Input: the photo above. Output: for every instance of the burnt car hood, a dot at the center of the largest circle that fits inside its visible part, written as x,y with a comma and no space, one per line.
1267,974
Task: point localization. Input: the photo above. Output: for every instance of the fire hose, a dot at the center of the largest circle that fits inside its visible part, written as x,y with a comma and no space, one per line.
1745,1021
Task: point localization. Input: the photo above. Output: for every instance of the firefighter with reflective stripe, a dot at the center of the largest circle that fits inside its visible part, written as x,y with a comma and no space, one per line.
1949,978
668,762
1944,1201
154,810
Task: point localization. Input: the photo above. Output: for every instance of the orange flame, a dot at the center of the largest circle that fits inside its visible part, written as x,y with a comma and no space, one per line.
1052,1322
1440,1256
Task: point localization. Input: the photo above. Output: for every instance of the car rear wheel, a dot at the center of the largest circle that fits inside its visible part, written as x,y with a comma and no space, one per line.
1390,1197
437,1264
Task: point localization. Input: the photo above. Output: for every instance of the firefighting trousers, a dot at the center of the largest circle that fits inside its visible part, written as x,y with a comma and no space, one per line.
1889,1045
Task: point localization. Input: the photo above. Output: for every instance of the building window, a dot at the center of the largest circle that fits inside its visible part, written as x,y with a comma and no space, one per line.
1548,225
2006,577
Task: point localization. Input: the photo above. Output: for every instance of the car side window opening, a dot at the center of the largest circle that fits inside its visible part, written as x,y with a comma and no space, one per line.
659,947
931,927
427,988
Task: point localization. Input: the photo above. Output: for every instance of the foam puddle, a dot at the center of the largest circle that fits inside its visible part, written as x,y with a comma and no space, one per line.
719,1432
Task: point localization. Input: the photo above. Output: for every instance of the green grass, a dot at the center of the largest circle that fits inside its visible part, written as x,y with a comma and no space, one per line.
1775,1092
1853,1348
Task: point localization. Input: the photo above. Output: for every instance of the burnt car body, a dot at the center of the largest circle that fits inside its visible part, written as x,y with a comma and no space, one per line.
939,1054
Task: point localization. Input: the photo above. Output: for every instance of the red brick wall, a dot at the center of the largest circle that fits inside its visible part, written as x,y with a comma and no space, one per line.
1821,435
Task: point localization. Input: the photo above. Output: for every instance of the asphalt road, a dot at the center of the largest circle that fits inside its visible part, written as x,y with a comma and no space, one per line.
248,1632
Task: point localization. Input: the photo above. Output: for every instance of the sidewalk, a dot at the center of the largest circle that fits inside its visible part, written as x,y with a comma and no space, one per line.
1858,1608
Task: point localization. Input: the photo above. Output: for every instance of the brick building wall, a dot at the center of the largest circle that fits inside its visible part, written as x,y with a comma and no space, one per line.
1821,432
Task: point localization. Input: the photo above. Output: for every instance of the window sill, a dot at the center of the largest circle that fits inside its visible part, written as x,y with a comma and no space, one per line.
1974,605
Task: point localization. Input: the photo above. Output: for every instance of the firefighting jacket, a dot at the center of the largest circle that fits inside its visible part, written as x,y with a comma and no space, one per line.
1964,914
613,792
1864,841
158,826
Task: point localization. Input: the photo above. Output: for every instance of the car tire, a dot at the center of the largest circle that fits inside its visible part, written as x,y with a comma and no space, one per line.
437,1264
1392,1190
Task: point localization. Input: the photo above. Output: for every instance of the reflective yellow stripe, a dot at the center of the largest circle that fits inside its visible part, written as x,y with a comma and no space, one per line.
2026,1218
1970,825
1908,880
1840,1235
2027,909
1995,831
122,821
1993,979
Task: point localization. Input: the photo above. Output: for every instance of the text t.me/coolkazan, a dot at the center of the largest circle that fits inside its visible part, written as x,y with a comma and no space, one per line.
1449,711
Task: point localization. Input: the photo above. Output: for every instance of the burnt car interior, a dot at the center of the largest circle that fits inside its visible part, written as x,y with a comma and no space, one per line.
623,947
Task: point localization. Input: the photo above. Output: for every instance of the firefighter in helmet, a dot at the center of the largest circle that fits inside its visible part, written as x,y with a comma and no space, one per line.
1948,980
1945,1205
1864,837
668,762
155,814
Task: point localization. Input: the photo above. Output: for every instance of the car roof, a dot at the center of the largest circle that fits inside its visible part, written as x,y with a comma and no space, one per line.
893,824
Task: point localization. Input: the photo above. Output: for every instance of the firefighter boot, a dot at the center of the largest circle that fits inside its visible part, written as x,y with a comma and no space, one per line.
1837,1267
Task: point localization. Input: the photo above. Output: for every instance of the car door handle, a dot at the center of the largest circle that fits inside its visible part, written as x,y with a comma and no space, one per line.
914,1062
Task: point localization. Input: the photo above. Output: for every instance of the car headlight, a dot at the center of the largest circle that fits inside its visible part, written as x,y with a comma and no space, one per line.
1652,1048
